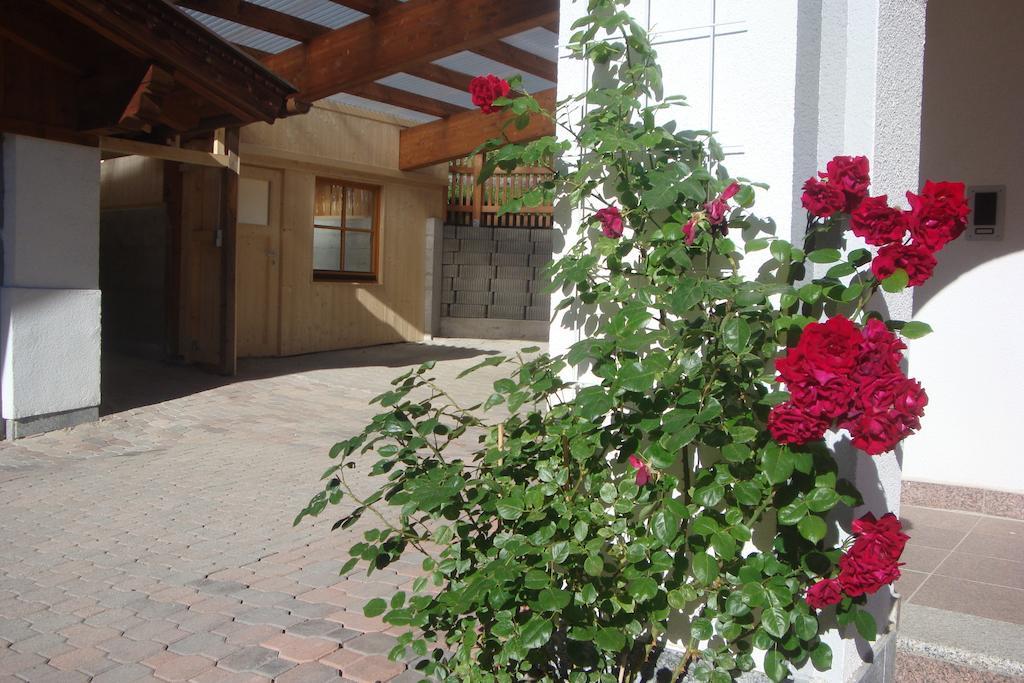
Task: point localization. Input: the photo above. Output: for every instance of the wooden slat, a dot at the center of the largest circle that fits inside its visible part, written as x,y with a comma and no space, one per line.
401,37
458,135
441,74
229,254
186,156
257,16
405,99
518,59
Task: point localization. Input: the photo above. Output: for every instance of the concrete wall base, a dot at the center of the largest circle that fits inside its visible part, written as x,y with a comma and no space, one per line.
495,328
28,426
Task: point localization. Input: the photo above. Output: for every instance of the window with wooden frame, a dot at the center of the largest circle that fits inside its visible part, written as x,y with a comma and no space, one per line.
346,230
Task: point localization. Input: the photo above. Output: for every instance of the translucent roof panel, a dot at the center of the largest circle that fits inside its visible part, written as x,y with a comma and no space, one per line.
243,35
539,41
381,108
427,88
323,12
475,65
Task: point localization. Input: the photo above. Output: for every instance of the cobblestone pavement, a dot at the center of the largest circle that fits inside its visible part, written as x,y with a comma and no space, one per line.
156,543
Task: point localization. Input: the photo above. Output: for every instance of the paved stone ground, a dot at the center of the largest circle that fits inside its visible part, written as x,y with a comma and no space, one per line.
156,544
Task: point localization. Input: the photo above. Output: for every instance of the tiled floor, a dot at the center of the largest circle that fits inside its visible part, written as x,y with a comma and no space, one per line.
964,562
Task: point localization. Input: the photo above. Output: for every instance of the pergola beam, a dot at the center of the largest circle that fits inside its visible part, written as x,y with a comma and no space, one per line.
519,59
458,135
401,37
257,16
405,99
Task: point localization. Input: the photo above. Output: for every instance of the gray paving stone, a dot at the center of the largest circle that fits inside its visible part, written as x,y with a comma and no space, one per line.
126,651
248,659
273,616
310,673
274,667
372,644
126,673
206,644
48,674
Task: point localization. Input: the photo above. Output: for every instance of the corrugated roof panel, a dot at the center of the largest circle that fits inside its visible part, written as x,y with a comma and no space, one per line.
243,35
539,41
427,88
475,65
371,105
323,12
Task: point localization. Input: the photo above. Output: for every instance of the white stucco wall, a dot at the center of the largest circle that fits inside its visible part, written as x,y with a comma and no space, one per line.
973,364
50,301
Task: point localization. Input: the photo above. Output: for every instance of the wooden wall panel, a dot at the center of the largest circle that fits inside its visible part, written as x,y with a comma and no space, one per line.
259,278
130,182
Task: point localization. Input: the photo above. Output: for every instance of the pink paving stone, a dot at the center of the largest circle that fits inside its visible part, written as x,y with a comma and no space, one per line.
275,584
173,667
341,659
358,622
233,574
185,596
298,649
84,635
222,676
373,669
82,658
216,605
330,596
243,634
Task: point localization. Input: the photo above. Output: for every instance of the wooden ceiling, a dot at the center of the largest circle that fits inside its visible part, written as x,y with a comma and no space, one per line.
399,38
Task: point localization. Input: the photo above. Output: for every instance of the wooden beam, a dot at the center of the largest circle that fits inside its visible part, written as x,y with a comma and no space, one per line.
457,136
229,253
442,75
257,16
146,149
146,105
370,7
401,37
518,59
405,99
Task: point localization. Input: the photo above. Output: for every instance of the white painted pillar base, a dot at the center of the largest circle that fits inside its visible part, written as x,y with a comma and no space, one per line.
50,301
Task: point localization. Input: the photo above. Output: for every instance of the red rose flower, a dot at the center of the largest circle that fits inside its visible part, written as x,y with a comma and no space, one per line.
643,472
486,89
866,568
824,593
690,229
877,222
917,260
822,199
881,352
849,174
831,347
611,222
718,208
791,424
886,533
938,214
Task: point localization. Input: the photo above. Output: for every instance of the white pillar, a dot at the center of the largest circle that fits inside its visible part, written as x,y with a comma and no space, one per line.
50,299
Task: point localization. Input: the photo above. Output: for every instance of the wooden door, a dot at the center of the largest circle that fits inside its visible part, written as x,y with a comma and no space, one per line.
201,266
259,257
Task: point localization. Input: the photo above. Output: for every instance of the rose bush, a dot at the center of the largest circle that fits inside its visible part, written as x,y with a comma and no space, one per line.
684,493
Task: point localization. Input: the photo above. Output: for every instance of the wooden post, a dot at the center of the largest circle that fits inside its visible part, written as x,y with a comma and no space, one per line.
478,189
172,275
229,252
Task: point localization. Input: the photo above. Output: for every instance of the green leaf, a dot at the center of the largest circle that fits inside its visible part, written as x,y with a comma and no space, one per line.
775,666
806,626
736,335
701,629
896,282
824,256
705,568
822,499
821,657
553,599
536,579
511,507
865,623
375,607
781,250
775,621
536,632
642,589
915,329
791,514
610,639
592,402
813,528
725,545
593,565
665,526
777,463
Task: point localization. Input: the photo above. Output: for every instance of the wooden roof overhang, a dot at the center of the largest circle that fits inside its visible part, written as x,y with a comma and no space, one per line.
79,70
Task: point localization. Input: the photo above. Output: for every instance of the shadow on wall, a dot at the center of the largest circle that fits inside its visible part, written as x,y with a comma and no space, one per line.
131,382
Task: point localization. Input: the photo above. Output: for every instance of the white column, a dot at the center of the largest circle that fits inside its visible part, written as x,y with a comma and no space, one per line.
50,299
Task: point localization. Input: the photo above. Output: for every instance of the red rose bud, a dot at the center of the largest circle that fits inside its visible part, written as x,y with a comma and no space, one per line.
486,89
849,174
824,593
822,199
938,214
917,260
877,223
643,472
611,222
718,208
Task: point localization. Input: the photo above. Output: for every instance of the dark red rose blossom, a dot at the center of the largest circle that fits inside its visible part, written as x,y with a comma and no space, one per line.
881,352
849,174
718,208
611,222
866,568
831,347
886,533
824,593
822,199
938,215
486,89
878,223
790,424
917,260
828,400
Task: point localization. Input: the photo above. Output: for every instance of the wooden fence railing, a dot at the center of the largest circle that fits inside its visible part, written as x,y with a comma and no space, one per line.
473,204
